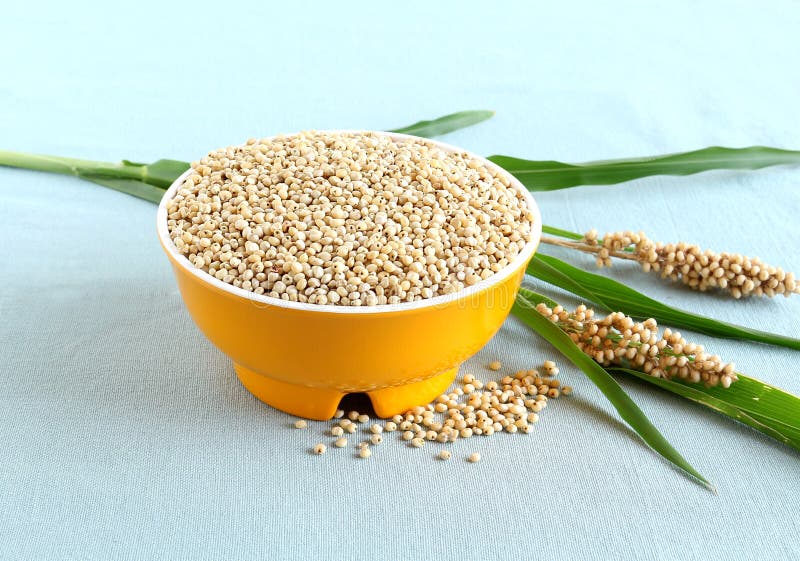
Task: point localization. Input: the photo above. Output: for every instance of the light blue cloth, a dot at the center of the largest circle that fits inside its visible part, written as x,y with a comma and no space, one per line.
125,435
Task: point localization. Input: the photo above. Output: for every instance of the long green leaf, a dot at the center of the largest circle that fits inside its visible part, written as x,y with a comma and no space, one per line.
548,175
617,297
127,176
446,124
524,309
766,408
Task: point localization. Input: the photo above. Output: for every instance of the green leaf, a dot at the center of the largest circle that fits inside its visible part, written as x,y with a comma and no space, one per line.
164,172
550,175
132,187
617,297
161,172
524,309
446,124
553,231
766,408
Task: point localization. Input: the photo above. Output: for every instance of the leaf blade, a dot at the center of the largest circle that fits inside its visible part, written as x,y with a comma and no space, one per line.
775,412
523,308
445,124
131,187
164,172
615,296
550,175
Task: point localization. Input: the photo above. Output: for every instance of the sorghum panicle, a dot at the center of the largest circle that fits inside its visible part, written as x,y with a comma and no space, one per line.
698,269
619,340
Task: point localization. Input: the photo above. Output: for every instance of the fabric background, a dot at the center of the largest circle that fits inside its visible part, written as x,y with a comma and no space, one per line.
125,435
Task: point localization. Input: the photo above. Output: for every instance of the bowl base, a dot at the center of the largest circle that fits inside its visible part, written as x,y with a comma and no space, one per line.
321,403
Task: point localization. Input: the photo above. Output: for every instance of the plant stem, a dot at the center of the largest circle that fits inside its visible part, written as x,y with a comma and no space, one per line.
69,166
593,249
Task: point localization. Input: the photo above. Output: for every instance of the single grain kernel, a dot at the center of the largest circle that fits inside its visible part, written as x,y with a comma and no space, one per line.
376,439
390,426
337,431
340,442
474,457
320,449
444,455
417,442
364,453
495,365
301,424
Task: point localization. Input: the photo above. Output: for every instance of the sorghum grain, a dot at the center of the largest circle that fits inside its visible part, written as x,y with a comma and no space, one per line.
349,219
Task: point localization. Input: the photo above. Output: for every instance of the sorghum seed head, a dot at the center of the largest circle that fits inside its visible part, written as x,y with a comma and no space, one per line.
698,269
619,340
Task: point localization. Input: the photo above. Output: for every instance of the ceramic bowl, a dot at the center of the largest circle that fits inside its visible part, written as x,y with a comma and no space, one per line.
303,358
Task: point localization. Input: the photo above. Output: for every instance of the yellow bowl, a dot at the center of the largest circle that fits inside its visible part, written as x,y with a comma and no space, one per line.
303,358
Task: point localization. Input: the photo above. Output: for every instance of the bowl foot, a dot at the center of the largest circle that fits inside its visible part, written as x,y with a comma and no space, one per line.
321,403
398,399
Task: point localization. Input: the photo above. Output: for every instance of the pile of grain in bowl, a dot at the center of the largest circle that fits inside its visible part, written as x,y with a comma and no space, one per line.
350,219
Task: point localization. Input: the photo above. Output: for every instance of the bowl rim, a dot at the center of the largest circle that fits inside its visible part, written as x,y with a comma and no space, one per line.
521,258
